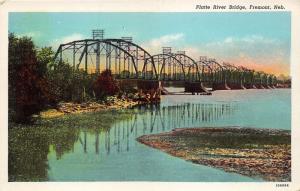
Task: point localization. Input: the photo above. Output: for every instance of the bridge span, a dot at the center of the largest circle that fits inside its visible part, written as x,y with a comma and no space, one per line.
130,62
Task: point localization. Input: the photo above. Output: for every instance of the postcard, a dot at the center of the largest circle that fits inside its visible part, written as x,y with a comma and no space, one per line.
150,95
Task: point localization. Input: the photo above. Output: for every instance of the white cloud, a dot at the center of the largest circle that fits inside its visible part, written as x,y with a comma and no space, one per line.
72,37
254,50
33,34
255,46
247,40
155,45
75,36
166,40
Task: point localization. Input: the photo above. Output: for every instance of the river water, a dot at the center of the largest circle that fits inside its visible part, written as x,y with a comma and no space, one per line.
115,155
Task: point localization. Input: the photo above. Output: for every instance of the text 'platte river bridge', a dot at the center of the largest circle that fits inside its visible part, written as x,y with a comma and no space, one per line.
150,73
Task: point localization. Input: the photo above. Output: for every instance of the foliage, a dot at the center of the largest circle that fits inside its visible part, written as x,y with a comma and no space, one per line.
70,85
66,84
28,87
105,85
45,56
36,81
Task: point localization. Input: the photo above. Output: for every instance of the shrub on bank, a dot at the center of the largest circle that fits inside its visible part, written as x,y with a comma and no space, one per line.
105,85
71,85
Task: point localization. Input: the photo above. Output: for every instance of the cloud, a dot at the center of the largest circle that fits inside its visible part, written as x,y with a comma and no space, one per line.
256,52
154,46
248,40
253,51
72,37
75,36
254,46
32,34
276,66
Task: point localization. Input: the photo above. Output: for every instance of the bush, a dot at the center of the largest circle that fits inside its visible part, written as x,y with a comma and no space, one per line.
105,85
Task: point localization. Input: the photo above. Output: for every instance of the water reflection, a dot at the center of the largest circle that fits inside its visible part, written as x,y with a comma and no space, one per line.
30,146
33,147
90,146
154,119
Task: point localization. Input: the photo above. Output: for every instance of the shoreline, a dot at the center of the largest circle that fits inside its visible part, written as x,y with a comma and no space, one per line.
65,108
261,153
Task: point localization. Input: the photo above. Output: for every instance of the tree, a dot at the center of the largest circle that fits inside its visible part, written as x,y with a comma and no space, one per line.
68,84
45,57
28,88
105,85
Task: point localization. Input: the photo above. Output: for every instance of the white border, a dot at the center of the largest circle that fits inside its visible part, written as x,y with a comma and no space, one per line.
143,6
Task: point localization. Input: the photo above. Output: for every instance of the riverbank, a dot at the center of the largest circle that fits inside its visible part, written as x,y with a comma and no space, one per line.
261,153
64,108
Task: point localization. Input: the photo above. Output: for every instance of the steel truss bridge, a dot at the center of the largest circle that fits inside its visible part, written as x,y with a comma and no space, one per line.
129,61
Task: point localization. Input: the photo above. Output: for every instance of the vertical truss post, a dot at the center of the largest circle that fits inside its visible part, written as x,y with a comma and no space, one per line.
60,55
119,56
86,56
109,58
106,59
116,58
98,57
137,62
74,54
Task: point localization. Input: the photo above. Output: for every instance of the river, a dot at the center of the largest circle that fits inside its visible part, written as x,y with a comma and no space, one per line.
115,155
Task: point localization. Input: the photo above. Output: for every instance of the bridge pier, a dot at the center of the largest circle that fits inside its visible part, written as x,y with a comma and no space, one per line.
195,87
260,86
236,86
149,90
250,86
220,86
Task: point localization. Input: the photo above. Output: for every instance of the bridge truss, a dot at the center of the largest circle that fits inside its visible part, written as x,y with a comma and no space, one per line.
128,60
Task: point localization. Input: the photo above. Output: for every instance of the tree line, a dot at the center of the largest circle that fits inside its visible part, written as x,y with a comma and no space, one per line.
35,83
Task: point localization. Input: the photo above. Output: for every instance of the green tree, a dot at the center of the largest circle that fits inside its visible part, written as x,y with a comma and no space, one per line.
68,84
45,56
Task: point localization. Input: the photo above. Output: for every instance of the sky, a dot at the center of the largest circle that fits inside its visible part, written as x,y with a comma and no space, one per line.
257,40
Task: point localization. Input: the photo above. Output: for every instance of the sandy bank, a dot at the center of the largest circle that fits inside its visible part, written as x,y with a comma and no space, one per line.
72,108
262,153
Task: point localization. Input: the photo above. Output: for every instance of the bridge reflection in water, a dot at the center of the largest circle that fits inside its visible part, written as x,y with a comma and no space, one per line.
153,119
